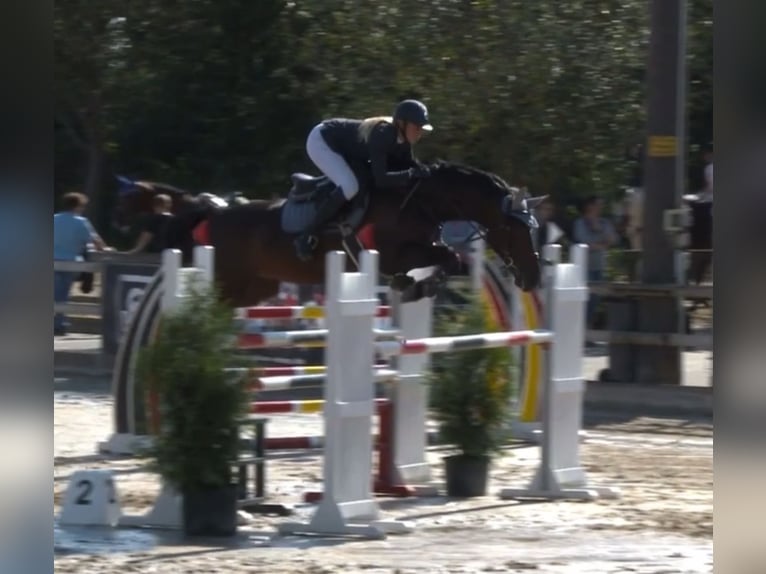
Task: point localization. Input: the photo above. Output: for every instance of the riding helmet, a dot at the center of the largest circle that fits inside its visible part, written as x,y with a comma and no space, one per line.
413,111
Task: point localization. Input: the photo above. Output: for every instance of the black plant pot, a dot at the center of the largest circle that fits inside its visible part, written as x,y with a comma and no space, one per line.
210,511
466,475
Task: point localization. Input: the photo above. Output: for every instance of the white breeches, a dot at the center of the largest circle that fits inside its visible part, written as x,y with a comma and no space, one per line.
332,164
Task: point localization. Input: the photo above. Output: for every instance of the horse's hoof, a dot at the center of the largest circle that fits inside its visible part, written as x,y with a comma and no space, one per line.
401,282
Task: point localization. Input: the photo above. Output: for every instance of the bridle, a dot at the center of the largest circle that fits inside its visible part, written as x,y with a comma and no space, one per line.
513,206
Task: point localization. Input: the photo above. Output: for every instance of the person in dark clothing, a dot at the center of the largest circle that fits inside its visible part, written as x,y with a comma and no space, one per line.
152,236
335,145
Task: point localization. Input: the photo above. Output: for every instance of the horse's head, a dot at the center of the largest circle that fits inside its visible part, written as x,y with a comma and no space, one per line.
516,233
135,200
505,217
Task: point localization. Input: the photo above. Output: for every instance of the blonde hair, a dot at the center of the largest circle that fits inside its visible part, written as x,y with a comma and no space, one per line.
369,123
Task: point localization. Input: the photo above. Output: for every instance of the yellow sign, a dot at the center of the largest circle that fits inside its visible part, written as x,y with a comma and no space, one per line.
663,146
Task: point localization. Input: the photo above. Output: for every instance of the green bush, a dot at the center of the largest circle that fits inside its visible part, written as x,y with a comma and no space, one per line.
471,390
199,403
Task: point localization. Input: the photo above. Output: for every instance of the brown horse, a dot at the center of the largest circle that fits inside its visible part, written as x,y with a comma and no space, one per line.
254,252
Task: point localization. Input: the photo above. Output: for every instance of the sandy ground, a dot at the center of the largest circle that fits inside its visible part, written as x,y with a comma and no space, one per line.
663,522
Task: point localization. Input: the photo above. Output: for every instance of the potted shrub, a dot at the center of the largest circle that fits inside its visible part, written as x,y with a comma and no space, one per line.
470,398
199,406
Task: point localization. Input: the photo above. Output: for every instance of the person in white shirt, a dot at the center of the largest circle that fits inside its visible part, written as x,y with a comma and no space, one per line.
709,172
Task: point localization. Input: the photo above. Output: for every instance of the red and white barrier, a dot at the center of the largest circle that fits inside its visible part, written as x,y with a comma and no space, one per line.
307,338
463,342
288,382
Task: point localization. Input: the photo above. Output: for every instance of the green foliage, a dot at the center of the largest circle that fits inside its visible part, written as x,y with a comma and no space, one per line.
471,390
199,402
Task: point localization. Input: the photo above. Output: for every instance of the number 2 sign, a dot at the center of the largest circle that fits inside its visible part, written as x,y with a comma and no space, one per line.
91,499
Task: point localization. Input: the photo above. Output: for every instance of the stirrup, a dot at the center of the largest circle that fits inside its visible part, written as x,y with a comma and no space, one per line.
309,240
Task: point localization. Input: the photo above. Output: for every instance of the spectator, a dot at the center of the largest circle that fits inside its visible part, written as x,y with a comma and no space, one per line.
152,236
599,235
709,173
72,234
548,231
633,202
701,228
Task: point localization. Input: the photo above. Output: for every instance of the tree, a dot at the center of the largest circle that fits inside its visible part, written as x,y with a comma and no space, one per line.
222,94
89,45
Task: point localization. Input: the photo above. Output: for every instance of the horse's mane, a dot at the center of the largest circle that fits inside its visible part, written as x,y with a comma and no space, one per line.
444,166
160,187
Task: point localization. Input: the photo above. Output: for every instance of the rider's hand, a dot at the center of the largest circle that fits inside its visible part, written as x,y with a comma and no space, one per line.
419,172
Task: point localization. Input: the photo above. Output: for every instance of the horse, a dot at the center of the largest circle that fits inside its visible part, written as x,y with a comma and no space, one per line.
254,240
135,199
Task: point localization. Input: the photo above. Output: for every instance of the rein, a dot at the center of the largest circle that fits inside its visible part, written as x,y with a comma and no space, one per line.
409,195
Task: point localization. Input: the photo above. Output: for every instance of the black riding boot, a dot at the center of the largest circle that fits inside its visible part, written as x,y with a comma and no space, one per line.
307,241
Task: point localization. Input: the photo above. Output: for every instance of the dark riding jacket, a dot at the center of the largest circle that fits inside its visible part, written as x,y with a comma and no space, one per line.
382,150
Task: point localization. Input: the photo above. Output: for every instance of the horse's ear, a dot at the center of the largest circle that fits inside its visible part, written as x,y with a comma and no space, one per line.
533,202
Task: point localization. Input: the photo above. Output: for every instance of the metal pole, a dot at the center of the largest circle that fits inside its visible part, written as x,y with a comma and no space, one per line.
664,183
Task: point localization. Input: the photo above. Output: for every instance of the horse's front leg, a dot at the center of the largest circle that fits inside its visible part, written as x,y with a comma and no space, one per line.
413,256
416,255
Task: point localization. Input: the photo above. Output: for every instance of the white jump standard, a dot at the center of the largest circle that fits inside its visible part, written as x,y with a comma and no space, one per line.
348,506
560,474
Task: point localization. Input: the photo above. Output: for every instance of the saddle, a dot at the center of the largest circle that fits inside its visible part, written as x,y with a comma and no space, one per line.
306,192
308,188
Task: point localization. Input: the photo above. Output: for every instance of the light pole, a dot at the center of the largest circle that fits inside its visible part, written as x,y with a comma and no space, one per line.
664,182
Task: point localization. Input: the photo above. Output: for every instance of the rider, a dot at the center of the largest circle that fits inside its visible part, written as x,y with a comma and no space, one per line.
381,141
